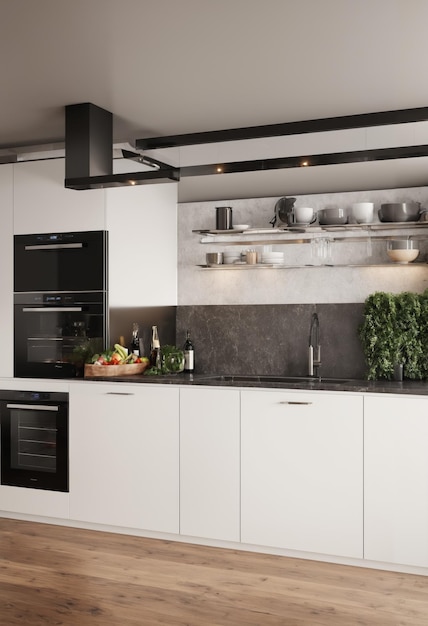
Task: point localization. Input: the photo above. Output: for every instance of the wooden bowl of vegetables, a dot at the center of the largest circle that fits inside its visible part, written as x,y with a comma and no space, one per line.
115,362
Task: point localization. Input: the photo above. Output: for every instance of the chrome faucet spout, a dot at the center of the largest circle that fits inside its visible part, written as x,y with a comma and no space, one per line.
314,347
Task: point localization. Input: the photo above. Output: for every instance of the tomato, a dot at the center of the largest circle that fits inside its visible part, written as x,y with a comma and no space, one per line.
115,359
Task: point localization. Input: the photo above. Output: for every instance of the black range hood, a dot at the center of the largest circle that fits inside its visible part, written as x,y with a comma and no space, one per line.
89,153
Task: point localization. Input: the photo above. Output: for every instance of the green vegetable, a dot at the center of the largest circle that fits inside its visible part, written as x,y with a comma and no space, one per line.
172,359
172,362
395,330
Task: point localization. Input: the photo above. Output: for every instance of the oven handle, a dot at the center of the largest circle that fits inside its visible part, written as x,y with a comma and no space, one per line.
33,407
52,309
54,246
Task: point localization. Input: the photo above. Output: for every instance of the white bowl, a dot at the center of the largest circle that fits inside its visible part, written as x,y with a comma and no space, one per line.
229,259
403,256
241,226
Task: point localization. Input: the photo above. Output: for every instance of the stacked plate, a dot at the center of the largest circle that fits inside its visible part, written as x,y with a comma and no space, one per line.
232,257
273,258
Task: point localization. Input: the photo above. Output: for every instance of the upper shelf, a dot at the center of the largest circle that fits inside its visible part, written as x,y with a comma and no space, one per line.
296,234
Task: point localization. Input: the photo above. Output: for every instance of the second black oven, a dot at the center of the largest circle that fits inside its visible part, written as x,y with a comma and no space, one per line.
51,332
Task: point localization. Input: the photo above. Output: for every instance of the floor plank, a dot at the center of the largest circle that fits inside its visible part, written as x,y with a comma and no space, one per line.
60,576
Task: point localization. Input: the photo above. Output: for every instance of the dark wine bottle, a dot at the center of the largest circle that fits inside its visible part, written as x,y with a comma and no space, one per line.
135,340
189,354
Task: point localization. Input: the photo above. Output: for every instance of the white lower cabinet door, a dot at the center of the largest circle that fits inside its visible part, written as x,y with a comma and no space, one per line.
209,463
396,479
124,446
302,471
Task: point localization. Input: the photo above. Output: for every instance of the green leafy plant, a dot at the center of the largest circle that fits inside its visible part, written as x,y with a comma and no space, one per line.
172,359
394,331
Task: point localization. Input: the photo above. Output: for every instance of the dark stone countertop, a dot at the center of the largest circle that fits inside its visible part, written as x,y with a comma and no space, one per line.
276,382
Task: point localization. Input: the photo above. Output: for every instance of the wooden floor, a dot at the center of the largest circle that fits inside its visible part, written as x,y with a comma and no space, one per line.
56,575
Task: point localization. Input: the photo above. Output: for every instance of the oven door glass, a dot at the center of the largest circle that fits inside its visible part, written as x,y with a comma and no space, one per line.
34,445
33,435
50,340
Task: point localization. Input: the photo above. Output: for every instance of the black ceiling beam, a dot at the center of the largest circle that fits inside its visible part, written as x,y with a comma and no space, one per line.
346,122
335,158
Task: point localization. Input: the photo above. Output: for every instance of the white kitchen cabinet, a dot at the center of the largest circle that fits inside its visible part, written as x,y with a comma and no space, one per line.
6,274
124,466
302,471
43,205
142,225
396,479
210,463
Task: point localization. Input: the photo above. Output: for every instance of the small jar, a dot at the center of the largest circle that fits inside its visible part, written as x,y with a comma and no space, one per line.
251,257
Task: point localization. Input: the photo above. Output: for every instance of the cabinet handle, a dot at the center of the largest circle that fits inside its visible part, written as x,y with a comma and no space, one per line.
32,407
54,246
119,393
293,402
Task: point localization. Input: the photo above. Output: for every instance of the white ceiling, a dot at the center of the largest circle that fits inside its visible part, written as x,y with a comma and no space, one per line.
177,66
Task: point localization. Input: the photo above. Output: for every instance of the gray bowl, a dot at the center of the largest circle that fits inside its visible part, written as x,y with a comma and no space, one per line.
332,217
399,212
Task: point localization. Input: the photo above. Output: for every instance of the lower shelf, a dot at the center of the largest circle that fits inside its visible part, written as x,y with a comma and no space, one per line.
268,266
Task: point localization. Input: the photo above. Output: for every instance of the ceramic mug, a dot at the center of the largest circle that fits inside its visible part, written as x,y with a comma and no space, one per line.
362,212
304,215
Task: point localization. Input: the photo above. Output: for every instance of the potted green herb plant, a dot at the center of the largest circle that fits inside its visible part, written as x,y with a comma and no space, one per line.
394,335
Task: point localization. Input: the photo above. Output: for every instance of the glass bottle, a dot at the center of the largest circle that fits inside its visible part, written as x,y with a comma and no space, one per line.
189,354
155,352
135,340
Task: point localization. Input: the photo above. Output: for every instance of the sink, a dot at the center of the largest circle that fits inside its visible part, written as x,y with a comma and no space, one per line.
276,379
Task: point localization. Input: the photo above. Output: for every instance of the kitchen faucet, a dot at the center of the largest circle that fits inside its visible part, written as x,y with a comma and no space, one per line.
314,347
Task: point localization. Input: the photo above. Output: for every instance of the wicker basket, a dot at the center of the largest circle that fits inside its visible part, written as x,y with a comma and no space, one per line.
130,369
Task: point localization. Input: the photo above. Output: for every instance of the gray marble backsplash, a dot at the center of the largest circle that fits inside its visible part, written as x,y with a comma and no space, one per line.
268,339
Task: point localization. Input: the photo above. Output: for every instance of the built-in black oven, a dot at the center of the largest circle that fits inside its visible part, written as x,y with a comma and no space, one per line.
61,262
53,330
34,439
60,302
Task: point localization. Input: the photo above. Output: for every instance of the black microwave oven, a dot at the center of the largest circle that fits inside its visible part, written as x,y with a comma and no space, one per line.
66,262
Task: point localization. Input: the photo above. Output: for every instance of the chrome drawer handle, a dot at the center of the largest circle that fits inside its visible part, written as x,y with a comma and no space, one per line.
119,393
293,402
